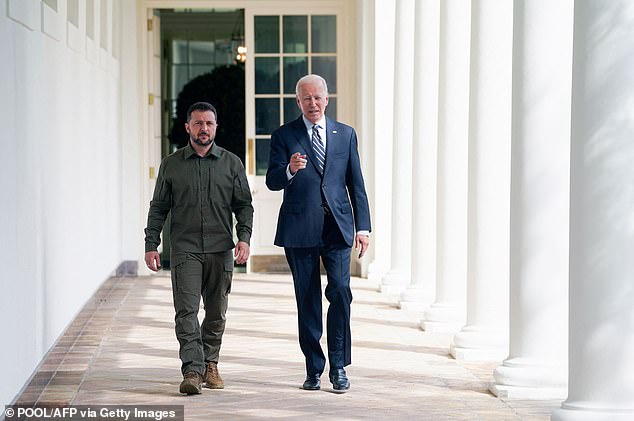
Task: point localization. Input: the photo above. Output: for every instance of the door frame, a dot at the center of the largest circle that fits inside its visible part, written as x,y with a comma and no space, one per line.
346,71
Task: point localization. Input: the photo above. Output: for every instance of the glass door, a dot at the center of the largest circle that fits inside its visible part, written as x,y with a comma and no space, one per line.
286,48
281,48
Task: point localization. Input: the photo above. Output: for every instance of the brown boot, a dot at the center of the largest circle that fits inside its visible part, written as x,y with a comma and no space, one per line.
192,383
212,377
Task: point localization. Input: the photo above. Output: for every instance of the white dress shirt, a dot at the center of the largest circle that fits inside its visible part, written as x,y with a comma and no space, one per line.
321,127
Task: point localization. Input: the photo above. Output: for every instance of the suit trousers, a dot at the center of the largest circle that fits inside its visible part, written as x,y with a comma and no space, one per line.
304,263
208,275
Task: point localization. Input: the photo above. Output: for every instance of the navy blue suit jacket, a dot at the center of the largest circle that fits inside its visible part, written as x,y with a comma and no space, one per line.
301,217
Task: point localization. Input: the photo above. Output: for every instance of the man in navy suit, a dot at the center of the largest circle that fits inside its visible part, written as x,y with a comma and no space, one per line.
324,213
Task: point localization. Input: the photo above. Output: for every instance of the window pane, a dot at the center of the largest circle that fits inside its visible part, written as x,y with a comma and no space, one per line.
326,67
225,53
201,52
294,68
199,69
267,75
331,109
172,110
267,115
324,34
267,34
295,34
180,77
262,152
291,110
179,51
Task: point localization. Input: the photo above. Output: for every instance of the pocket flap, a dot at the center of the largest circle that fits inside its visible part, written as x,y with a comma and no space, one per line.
229,262
177,259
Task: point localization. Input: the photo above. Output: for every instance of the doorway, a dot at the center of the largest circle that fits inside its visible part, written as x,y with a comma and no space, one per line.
201,61
282,40
285,46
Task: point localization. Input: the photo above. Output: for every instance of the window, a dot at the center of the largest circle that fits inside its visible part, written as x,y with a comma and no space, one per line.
286,48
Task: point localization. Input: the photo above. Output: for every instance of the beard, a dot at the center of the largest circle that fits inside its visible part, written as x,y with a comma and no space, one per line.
199,142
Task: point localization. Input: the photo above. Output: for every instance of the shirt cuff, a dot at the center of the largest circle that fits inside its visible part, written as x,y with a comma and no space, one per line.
364,232
245,238
288,172
151,247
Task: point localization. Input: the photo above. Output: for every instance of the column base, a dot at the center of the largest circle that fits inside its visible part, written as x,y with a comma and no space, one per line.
394,282
518,392
587,412
443,317
413,306
524,378
475,354
440,327
479,343
415,299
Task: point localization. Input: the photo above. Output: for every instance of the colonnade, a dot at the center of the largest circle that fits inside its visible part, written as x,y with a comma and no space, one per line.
513,135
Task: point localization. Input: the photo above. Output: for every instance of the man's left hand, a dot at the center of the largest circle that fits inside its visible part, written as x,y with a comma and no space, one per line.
361,243
241,252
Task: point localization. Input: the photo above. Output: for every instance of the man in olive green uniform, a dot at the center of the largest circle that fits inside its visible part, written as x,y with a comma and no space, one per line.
201,185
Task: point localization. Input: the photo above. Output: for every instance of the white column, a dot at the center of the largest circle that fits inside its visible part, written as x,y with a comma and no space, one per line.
601,379
485,337
365,83
448,311
399,274
540,156
421,291
380,240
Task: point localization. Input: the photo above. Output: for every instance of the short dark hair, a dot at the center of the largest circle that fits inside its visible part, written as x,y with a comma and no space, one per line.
201,106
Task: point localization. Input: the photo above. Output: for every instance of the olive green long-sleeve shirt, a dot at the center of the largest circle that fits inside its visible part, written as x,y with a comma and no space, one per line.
202,193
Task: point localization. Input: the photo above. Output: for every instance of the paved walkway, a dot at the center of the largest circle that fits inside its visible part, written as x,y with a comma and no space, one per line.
121,349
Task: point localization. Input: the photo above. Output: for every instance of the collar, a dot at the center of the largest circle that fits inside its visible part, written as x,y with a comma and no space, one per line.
214,150
309,126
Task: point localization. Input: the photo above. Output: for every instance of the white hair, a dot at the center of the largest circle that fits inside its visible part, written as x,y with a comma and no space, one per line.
314,79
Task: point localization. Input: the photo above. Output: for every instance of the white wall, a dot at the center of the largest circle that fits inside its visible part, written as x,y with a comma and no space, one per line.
61,181
134,202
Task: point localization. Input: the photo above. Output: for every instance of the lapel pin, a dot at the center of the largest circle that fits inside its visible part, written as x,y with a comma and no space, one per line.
334,131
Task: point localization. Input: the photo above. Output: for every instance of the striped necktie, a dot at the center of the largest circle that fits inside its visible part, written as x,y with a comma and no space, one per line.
318,148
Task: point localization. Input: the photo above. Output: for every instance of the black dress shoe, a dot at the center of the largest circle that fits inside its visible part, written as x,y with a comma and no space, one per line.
312,382
339,380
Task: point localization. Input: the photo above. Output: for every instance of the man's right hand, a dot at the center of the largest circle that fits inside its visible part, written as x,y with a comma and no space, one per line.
297,162
153,260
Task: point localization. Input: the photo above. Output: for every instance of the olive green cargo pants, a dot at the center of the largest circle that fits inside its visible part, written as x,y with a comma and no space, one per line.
196,275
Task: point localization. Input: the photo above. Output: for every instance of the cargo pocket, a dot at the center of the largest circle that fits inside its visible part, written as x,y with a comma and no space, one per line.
228,271
185,283
176,260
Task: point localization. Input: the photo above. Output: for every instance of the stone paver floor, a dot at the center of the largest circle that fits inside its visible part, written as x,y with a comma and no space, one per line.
121,349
